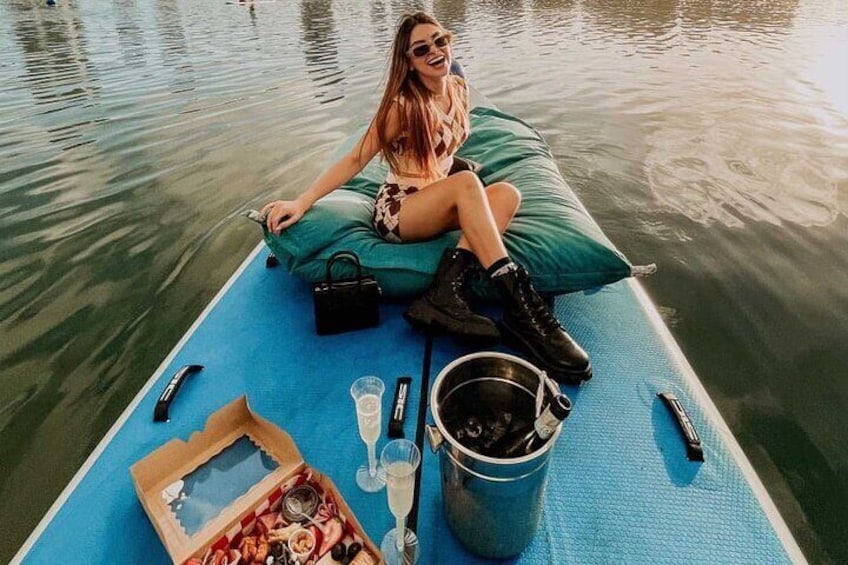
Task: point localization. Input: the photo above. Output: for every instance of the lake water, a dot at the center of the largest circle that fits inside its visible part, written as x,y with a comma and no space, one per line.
710,137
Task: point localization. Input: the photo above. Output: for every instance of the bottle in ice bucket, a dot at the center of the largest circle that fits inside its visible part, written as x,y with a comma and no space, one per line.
524,443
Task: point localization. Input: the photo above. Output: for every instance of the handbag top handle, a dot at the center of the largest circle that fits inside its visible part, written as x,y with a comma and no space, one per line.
349,256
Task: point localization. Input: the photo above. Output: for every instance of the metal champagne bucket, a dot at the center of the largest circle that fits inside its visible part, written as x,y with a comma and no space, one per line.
492,505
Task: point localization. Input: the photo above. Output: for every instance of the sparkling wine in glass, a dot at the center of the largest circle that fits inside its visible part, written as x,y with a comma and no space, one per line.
367,393
400,458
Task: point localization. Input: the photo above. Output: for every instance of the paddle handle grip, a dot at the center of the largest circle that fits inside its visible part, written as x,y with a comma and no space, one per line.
694,449
160,412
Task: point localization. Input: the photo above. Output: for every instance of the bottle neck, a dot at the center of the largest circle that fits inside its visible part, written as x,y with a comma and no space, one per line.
546,424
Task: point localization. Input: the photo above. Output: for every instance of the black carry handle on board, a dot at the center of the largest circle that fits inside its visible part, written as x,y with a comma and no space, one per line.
160,412
694,449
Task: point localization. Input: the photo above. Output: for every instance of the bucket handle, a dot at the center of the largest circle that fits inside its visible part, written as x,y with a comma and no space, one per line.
434,437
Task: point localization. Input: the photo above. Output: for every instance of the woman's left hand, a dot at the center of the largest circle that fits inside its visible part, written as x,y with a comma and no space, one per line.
280,214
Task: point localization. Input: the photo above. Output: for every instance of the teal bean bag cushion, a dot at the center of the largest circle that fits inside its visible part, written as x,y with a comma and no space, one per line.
552,235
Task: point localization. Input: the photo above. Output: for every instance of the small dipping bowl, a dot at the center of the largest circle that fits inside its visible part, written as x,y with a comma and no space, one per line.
303,497
301,543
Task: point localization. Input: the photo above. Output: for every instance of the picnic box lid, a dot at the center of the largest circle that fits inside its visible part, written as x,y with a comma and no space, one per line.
194,490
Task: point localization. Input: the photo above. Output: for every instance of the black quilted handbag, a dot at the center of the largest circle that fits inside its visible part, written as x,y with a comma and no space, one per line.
347,304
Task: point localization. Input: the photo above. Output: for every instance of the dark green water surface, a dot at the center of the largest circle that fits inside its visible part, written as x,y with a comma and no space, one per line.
708,136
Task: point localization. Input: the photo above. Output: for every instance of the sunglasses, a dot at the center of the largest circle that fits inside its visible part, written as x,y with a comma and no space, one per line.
423,49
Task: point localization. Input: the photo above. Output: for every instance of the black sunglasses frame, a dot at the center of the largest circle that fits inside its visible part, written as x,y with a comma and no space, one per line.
424,49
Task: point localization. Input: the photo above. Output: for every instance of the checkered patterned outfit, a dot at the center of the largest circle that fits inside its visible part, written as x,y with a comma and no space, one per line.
449,136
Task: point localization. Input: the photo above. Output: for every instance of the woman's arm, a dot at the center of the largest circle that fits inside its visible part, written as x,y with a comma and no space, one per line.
280,214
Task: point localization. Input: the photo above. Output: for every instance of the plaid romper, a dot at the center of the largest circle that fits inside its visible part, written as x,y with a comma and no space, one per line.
397,186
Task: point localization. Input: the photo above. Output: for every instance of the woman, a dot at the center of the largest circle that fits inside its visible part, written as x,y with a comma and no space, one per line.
420,123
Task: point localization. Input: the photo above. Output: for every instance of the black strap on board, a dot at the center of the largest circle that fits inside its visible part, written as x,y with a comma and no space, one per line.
160,411
694,448
412,518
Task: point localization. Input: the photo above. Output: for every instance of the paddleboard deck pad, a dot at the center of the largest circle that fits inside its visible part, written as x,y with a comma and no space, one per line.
620,486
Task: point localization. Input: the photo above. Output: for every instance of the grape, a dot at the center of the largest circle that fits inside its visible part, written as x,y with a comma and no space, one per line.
338,552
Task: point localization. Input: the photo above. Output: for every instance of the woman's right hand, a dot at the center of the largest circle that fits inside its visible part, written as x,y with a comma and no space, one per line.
280,214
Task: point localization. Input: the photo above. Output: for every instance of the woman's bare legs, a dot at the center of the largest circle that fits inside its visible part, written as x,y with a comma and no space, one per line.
504,200
461,202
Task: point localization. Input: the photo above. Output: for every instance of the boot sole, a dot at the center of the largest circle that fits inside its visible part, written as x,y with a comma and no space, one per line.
424,322
561,376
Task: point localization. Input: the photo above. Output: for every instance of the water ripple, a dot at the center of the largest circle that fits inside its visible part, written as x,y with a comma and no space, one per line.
726,171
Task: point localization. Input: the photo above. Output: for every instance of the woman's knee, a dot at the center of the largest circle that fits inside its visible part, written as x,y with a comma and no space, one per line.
468,185
505,194
466,179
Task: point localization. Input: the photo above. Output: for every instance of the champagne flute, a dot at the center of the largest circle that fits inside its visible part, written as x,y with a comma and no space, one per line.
367,393
400,458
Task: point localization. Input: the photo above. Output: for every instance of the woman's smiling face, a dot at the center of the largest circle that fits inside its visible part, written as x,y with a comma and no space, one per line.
437,60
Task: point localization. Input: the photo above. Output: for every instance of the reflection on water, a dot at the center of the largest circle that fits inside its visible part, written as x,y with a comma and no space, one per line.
710,137
658,18
55,56
174,45
319,35
451,13
130,34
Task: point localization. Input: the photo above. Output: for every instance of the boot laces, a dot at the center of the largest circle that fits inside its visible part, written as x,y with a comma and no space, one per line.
458,288
540,315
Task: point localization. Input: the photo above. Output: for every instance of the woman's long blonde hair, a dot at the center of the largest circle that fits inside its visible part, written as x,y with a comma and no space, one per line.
418,120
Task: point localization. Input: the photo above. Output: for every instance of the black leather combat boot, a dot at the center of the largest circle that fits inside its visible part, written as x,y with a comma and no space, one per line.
529,326
445,305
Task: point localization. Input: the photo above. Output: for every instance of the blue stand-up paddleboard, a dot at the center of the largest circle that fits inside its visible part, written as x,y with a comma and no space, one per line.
623,484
